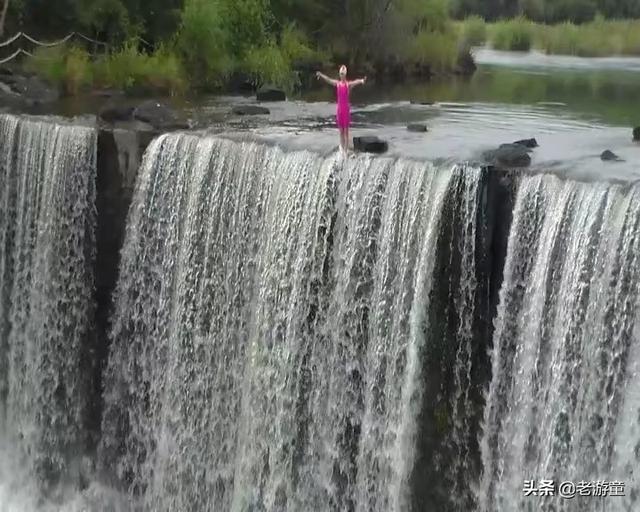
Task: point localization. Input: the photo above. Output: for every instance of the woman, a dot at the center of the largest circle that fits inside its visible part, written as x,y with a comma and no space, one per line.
343,111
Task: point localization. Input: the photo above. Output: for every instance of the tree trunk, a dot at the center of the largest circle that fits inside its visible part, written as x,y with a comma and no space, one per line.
3,16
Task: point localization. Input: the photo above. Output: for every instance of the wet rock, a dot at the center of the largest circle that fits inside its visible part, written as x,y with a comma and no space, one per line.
609,156
32,89
466,64
420,102
113,112
270,93
417,127
509,155
636,134
241,83
370,144
527,143
159,116
250,110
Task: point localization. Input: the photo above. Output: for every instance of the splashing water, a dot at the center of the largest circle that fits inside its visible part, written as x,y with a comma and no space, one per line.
47,200
564,399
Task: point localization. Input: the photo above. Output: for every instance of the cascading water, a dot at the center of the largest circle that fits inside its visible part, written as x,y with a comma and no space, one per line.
271,327
47,220
293,332
564,400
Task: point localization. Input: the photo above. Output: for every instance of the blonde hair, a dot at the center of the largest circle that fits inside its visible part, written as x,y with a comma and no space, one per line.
343,70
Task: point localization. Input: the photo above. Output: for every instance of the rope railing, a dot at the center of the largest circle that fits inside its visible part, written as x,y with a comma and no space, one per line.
51,44
15,54
44,44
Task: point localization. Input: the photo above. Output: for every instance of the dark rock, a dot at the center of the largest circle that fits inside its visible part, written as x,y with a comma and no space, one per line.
636,134
241,82
419,102
270,93
417,127
370,144
609,156
509,155
249,110
31,88
159,116
465,65
116,112
527,143
107,93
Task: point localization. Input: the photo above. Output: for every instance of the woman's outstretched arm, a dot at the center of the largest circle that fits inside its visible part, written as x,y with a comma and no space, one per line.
324,77
359,81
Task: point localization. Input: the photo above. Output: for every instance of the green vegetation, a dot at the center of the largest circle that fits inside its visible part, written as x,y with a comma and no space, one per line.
169,46
208,43
598,38
547,11
515,35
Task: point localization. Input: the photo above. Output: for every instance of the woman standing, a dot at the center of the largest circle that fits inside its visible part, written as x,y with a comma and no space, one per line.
343,111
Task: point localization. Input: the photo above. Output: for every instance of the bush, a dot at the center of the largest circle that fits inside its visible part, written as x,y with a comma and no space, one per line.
473,31
437,50
513,35
67,67
130,69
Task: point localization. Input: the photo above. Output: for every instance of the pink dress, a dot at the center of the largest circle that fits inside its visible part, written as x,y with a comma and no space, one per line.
343,114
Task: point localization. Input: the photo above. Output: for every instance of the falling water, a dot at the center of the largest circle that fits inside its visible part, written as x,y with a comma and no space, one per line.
564,400
47,219
270,327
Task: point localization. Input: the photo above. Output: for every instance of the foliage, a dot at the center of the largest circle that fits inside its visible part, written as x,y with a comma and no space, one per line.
514,35
472,31
67,67
547,11
130,69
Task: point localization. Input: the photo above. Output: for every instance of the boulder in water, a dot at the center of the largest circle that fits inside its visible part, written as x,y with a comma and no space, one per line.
250,110
114,112
417,127
370,144
636,134
159,116
527,143
509,155
270,93
609,156
30,88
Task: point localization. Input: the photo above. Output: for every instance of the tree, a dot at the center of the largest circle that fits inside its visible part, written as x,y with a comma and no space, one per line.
3,16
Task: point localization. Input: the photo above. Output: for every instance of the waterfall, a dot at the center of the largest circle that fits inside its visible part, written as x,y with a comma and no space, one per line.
271,326
47,220
295,332
564,399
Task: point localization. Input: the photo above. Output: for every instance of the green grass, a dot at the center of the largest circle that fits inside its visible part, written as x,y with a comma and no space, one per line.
472,31
72,69
131,70
67,67
598,38
512,35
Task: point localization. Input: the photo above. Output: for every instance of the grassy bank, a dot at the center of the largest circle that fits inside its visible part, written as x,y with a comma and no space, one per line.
218,42
599,38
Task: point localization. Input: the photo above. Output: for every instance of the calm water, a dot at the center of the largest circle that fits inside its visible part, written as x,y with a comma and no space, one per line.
575,107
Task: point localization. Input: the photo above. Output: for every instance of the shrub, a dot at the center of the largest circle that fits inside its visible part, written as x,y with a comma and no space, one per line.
269,64
473,31
438,50
64,66
131,69
513,35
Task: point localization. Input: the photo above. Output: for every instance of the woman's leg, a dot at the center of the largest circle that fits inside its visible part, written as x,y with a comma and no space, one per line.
342,139
347,139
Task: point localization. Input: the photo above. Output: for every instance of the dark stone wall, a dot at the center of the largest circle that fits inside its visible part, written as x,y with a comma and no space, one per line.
438,483
119,156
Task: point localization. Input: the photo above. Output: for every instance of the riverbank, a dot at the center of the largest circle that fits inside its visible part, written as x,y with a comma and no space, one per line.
599,38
